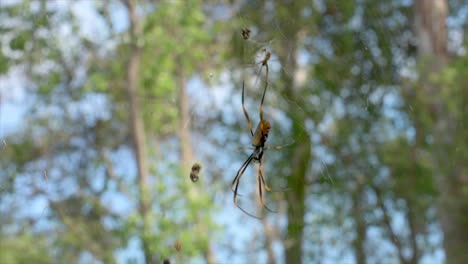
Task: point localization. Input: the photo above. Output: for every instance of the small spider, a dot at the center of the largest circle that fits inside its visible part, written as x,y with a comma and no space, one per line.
263,63
246,33
194,174
178,245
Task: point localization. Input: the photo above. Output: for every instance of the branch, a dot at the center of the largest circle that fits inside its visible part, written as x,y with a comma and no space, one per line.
387,223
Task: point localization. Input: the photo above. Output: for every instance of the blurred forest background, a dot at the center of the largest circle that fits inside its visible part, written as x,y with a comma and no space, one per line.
105,105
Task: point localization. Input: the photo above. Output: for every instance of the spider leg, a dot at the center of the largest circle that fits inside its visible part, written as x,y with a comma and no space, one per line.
275,147
267,188
278,147
236,181
263,62
260,190
242,169
244,148
259,72
249,214
245,111
239,174
264,92
260,172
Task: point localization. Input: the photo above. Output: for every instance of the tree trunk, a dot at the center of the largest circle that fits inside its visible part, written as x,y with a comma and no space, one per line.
186,153
360,225
270,235
300,158
184,120
137,126
296,197
430,27
411,216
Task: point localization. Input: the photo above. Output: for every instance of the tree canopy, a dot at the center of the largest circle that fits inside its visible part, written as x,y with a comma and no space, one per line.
106,105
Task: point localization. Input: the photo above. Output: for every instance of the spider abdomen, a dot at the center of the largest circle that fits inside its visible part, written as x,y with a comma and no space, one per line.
261,134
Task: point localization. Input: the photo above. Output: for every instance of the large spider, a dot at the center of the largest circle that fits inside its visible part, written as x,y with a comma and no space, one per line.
259,139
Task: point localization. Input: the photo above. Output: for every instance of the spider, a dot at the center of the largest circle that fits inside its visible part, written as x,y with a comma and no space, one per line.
263,63
265,55
194,174
245,33
259,139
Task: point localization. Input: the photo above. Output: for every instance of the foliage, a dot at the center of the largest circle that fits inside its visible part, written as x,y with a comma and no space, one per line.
24,248
363,172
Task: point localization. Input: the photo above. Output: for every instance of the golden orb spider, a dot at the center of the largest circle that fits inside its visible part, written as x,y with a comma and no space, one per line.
259,139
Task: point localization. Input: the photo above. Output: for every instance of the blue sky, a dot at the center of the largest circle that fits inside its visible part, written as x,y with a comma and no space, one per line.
239,228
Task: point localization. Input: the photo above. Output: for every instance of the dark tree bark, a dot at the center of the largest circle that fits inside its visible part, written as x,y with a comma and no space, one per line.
360,226
137,126
430,29
387,224
296,198
413,232
300,158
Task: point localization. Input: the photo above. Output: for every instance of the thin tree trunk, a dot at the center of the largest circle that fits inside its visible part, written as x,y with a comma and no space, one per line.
270,239
430,27
210,256
301,151
184,120
387,224
296,198
186,153
300,158
413,232
137,126
360,226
